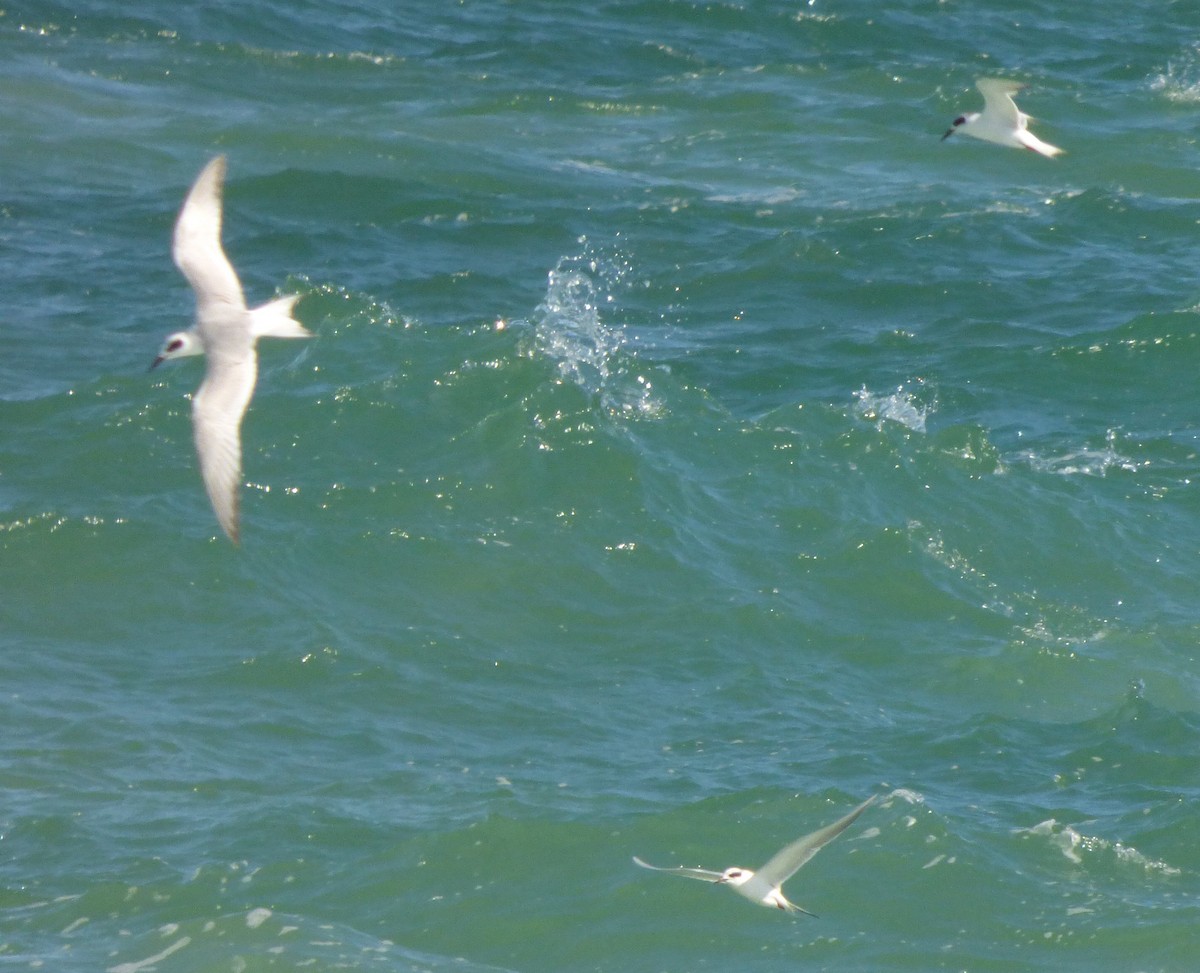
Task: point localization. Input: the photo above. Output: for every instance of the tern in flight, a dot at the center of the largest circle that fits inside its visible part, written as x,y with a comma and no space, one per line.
225,332
765,885
1000,121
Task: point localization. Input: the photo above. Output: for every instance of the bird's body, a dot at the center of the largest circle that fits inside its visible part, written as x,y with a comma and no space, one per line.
1001,122
764,886
225,332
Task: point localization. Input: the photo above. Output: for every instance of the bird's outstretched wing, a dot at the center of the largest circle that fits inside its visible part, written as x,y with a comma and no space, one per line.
197,247
997,96
784,864
703,874
217,411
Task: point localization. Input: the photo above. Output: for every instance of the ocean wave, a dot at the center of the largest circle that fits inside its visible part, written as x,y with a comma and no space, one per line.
1084,461
1076,847
261,938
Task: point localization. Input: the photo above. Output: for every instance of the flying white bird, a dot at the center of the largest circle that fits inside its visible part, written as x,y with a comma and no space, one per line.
1000,121
225,332
764,885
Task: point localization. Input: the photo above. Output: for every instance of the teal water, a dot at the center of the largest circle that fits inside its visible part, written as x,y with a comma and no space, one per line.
691,445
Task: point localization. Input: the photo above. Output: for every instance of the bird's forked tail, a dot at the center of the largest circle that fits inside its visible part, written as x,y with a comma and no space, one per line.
274,320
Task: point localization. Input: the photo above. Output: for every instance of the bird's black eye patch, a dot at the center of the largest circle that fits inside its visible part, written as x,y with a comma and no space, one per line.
175,345
958,121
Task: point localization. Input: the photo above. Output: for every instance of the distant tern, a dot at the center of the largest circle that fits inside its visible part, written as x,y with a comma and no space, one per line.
765,885
225,332
1000,121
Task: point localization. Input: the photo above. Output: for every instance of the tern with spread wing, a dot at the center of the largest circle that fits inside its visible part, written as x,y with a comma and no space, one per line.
1000,121
765,885
225,332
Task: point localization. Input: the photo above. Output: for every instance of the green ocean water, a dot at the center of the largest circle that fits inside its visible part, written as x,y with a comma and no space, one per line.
690,445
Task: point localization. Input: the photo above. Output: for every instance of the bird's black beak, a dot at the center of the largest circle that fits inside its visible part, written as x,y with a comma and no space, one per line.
154,364
949,132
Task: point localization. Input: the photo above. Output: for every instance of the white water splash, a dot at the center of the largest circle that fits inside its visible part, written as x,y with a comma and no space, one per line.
902,406
1074,846
1085,461
569,328
905,794
1180,79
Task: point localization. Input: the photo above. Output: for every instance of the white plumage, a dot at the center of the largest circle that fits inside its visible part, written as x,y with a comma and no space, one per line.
225,332
1000,121
764,885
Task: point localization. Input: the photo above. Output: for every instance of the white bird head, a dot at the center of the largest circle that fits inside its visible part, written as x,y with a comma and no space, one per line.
182,344
961,120
735,876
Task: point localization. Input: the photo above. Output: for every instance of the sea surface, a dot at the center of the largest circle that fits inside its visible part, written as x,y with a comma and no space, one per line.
691,445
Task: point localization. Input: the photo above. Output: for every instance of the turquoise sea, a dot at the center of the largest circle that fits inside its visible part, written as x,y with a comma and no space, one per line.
692,444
